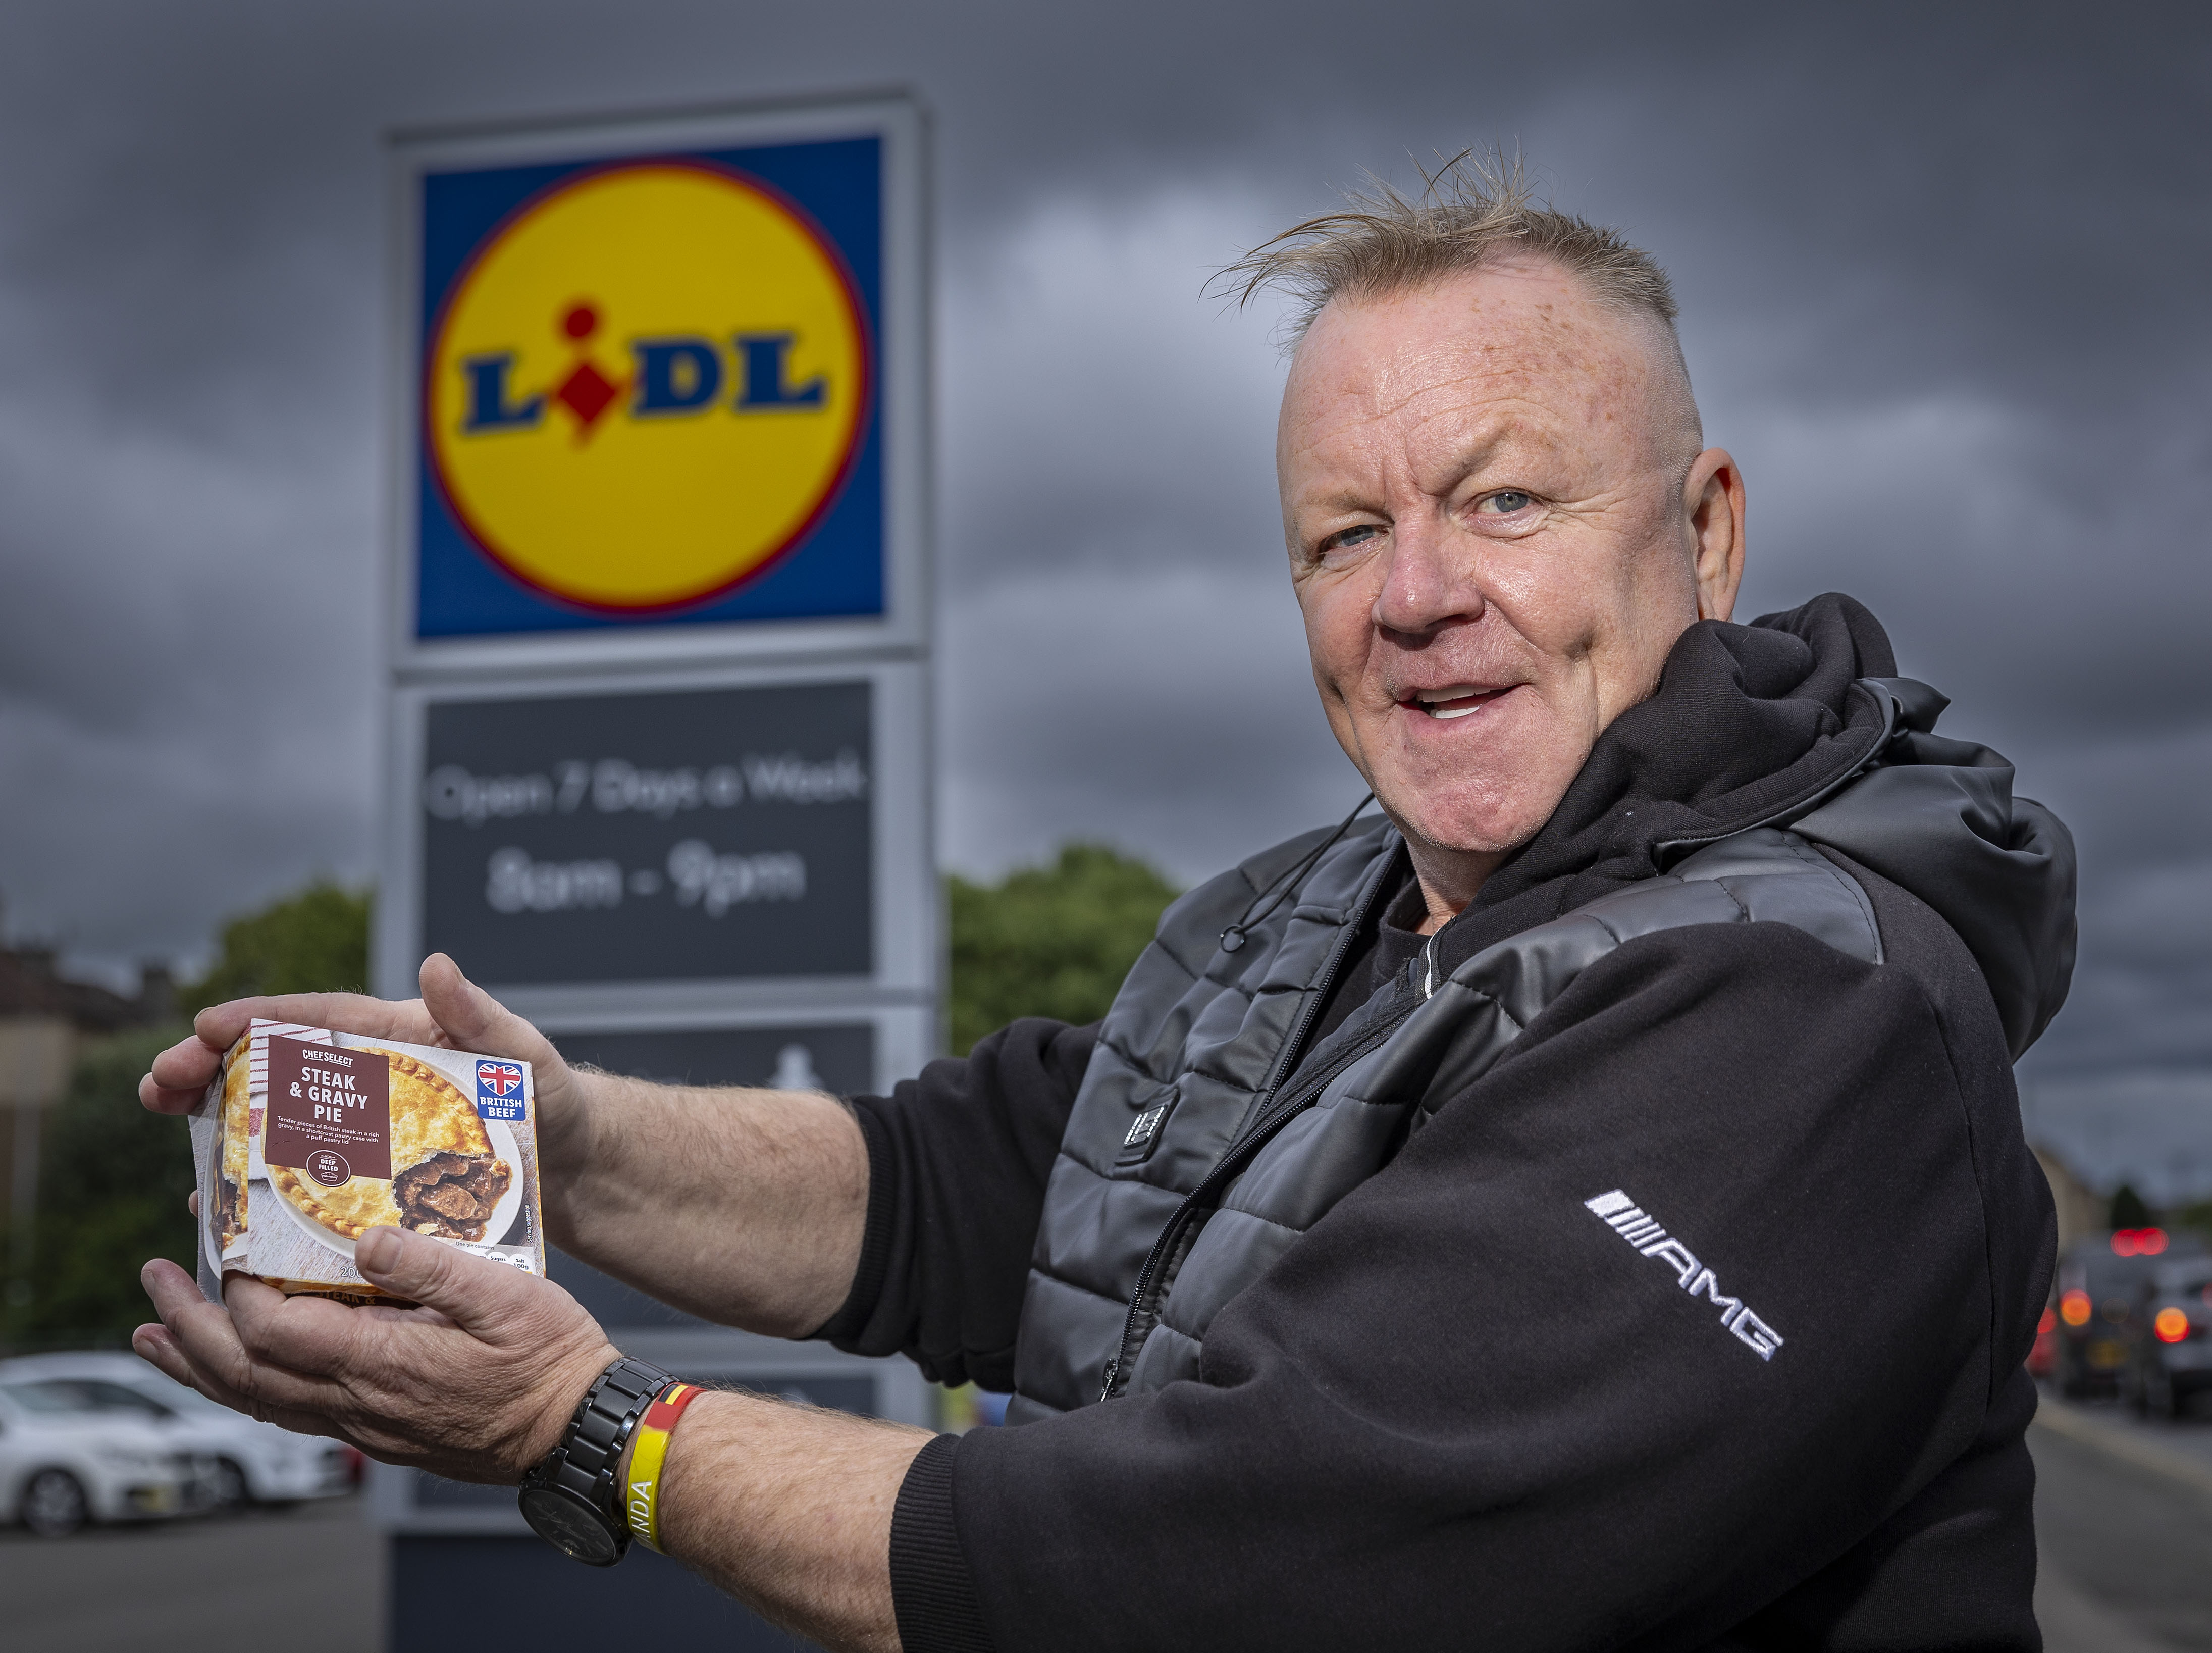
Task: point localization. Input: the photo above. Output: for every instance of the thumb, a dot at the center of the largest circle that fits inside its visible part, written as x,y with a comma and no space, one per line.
476,1294
474,1020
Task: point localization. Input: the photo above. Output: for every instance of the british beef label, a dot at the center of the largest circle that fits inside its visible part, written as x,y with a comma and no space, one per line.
330,1112
499,1090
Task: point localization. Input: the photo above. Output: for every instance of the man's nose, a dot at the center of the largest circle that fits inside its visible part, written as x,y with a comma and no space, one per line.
1429,582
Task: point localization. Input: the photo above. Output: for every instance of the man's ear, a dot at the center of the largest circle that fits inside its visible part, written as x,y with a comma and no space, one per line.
1712,510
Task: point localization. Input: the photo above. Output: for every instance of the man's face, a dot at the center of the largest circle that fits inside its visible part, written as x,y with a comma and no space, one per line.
1493,543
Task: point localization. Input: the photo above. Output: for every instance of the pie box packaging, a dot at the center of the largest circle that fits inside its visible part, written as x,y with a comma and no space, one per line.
307,1139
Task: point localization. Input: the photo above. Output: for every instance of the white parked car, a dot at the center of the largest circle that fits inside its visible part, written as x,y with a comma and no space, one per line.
252,1462
62,1466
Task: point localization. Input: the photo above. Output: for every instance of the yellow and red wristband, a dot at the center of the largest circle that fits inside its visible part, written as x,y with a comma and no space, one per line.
648,1452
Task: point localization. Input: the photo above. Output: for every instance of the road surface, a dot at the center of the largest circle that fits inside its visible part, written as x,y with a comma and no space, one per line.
2123,1511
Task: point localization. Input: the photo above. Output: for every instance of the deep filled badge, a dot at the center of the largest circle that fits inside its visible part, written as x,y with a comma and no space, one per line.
646,386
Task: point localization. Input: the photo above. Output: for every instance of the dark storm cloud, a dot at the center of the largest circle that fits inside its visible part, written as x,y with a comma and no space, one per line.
1941,274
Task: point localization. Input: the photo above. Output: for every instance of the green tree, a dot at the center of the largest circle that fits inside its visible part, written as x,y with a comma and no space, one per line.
112,1177
111,1187
316,941
1053,941
2128,1210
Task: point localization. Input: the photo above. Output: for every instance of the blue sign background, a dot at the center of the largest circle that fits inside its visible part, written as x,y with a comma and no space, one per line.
837,573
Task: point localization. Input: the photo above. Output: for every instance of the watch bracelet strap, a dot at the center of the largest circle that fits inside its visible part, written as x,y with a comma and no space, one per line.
584,1462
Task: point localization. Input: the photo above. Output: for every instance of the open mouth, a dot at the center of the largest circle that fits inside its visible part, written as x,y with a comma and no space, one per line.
1452,700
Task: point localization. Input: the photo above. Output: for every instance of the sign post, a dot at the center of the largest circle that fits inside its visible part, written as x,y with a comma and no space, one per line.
657,756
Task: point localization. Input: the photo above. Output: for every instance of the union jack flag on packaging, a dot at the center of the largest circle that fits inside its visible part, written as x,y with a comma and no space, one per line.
499,1089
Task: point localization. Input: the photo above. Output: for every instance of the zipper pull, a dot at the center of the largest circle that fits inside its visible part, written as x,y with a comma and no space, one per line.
1113,1371
1429,966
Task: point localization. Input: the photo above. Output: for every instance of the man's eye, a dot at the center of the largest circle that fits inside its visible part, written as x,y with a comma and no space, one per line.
1506,502
1346,539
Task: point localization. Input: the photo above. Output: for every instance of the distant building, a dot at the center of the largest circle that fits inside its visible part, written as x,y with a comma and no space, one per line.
2081,1208
2149,1128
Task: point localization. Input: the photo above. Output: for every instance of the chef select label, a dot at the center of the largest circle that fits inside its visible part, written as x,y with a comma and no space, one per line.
330,1112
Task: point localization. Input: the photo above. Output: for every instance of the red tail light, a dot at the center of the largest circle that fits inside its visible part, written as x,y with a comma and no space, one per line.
2171,1325
2138,1242
2048,1324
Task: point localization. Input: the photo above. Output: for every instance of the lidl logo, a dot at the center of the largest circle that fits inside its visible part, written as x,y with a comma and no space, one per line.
646,386
647,391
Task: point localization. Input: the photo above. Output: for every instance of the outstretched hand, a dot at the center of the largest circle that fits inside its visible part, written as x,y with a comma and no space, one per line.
477,1384
452,1014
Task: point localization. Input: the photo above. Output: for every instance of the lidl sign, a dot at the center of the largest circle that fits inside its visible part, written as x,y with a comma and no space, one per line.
648,392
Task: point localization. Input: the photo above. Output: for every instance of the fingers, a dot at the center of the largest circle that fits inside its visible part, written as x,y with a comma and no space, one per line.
170,1287
180,1077
180,1074
154,1345
479,1387
201,1339
310,1337
473,1020
193,1202
219,1025
477,1295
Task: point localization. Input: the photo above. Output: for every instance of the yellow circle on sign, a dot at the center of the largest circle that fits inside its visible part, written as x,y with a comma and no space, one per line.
646,386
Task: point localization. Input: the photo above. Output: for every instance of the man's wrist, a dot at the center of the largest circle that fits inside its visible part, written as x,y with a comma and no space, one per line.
574,1497
567,1132
563,1397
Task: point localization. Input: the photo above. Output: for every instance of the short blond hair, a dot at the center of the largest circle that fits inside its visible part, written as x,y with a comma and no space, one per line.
1475,209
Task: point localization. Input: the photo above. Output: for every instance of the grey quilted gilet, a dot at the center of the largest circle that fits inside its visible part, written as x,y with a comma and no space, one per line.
1193,1158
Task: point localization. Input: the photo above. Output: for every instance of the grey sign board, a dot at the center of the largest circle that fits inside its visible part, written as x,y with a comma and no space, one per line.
693,845
838,1056
689,835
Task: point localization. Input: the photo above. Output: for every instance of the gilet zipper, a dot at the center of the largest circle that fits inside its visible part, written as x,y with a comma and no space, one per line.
1144,1311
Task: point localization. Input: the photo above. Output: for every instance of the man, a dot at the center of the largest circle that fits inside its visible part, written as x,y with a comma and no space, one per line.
1582,1206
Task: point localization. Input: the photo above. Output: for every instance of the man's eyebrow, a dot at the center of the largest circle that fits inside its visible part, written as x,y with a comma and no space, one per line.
1341,502
1491,438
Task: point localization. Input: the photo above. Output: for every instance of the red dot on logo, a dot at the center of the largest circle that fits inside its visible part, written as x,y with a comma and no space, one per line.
580,322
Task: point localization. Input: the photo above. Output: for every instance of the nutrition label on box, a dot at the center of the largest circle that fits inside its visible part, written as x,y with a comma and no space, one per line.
330,1112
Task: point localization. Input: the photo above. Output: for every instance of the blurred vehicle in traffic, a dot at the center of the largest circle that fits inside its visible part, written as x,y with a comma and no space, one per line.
2100,1286
2171,1353
2043,1353
252,1462
62,1466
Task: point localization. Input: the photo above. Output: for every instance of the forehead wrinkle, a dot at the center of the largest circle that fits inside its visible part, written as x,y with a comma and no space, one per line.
1489,440
1334,419
1556,372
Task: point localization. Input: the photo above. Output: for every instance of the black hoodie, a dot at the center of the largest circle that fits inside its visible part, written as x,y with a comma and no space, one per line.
1450,1416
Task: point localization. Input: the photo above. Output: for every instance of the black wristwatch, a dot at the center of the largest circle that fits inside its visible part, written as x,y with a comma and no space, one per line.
569,1497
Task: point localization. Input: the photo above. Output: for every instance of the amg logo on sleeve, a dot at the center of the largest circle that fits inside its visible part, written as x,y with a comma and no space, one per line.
1629,1220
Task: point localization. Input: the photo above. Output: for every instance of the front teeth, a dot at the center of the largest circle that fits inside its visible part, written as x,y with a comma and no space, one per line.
1455,704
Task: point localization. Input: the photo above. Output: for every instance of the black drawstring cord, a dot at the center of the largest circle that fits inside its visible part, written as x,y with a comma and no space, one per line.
1233,937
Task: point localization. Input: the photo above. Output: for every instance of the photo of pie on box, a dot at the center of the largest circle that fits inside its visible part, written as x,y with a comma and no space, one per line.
234,1130
446,1180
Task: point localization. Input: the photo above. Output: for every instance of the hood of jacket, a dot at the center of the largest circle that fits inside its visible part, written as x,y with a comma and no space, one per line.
1799,720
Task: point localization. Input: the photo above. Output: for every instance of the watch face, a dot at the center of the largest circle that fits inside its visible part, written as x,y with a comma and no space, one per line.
571,1526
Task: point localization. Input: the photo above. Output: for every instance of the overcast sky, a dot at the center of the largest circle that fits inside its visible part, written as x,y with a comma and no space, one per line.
1942,274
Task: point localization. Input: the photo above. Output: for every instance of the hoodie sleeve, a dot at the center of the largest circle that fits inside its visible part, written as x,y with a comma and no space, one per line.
1478,1404
957,1159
